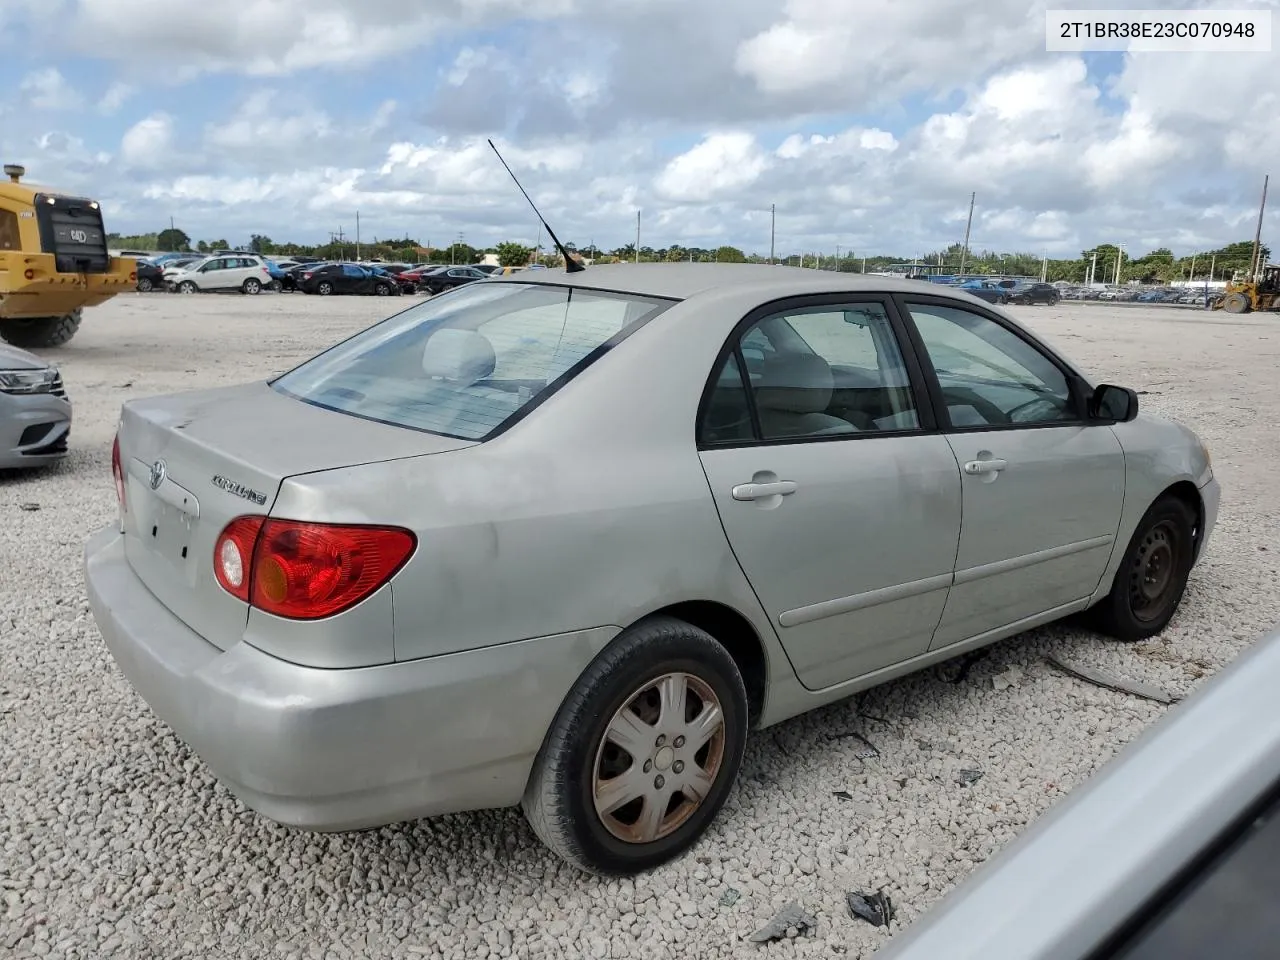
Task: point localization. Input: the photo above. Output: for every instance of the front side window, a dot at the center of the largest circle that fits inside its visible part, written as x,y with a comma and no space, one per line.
989,375
821,371
464,363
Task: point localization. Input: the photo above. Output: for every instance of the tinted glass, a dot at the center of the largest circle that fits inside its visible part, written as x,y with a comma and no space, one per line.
465,362
727,416
8,230
988,374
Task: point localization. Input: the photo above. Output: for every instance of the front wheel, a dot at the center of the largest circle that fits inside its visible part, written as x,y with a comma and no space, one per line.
1152,577
382,290
1236,303
34,332
643,752
186,286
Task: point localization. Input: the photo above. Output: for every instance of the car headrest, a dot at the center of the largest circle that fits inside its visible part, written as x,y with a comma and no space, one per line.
460,356
800,383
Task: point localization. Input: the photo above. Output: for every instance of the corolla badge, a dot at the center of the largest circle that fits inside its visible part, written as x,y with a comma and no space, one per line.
159,470
239,490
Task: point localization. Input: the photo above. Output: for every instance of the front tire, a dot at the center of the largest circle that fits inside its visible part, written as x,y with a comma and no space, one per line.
643,752
1236,303
1152,577
40,331
382,290
186,286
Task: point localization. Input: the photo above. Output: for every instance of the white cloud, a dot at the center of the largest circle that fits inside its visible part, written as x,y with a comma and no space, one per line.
115,96
48,89
148,143
721,163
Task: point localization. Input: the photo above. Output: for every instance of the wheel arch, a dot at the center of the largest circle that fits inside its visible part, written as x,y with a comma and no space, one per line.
737,635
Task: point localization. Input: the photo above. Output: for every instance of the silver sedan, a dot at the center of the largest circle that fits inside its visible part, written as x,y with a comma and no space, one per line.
35,414
561,540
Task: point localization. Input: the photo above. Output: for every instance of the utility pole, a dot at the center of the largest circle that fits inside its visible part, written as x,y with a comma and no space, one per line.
864,264
964,252
1255,267
357,234
1193,268
1213,262
1044,267
1093,267
1119,258
637,236
773,222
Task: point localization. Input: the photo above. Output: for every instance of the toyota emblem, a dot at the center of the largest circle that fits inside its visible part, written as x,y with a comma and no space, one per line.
159,470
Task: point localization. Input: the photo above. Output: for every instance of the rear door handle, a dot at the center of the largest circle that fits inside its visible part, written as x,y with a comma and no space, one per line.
758,491
977,467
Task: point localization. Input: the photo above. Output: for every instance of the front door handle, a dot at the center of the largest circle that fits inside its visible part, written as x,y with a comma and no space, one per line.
978,467
758,491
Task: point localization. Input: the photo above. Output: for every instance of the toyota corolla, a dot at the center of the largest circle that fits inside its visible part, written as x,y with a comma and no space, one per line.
560,540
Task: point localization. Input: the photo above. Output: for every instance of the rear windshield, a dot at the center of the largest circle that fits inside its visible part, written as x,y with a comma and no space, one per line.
466,362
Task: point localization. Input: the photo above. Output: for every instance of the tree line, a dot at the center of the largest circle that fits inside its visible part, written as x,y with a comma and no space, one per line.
1098,263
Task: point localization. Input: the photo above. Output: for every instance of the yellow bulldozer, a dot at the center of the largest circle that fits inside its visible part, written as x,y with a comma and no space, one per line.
1248,296
53,262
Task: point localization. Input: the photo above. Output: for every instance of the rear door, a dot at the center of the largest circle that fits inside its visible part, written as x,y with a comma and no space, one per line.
839,498
1043,488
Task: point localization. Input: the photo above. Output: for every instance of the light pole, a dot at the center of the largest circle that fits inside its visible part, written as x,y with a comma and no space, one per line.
1119,259
773,221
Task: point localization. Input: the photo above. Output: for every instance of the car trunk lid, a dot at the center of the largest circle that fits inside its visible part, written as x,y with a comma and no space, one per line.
194,461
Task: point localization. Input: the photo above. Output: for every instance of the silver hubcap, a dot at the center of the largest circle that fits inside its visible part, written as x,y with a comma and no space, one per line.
659,758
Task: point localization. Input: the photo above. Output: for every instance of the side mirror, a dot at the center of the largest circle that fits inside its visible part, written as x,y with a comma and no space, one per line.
1112,403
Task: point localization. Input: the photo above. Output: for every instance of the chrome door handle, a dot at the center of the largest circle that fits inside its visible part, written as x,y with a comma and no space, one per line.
758,491
977,467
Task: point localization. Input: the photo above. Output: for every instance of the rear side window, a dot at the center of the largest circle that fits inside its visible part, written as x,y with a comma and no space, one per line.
464,363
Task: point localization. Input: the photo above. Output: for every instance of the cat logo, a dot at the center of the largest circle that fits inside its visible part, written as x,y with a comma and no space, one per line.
79,236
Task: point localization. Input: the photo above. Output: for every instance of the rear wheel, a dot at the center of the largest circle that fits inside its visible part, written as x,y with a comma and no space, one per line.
187,286
1236,303
324,288
643,752
1153,573
145,285
252,287
40,331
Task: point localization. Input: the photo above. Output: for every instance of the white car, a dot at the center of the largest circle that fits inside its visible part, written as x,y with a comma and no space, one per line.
246,273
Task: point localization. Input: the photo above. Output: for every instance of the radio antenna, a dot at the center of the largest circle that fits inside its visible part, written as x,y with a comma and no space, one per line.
571,265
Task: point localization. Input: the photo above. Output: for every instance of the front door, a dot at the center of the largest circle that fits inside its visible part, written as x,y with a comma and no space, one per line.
841,507
1043,488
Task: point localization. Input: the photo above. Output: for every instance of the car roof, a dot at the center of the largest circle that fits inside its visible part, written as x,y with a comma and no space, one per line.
680,281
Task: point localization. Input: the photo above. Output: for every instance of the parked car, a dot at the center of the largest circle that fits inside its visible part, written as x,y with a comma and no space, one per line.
1167,853
403,283
338,278
987,290
450,277
487,268
453,563
248,274
35,412
150,277
289,282
1032,293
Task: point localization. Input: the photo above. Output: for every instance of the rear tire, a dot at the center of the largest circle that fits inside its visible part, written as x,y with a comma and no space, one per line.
40,331
669,776
252,287
145,285
324,288
1152,577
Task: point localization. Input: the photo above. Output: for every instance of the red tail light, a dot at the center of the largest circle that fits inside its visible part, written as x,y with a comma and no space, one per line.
306,276
117,471
306,571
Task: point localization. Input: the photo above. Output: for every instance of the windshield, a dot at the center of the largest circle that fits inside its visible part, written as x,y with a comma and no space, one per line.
465,363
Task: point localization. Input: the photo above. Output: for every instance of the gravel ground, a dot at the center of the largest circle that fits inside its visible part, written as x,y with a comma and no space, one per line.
115,841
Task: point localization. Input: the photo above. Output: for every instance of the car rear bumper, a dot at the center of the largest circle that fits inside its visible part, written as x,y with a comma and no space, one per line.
325,749
34,429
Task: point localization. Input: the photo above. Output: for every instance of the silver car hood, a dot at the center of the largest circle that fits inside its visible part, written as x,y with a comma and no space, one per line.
11,358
